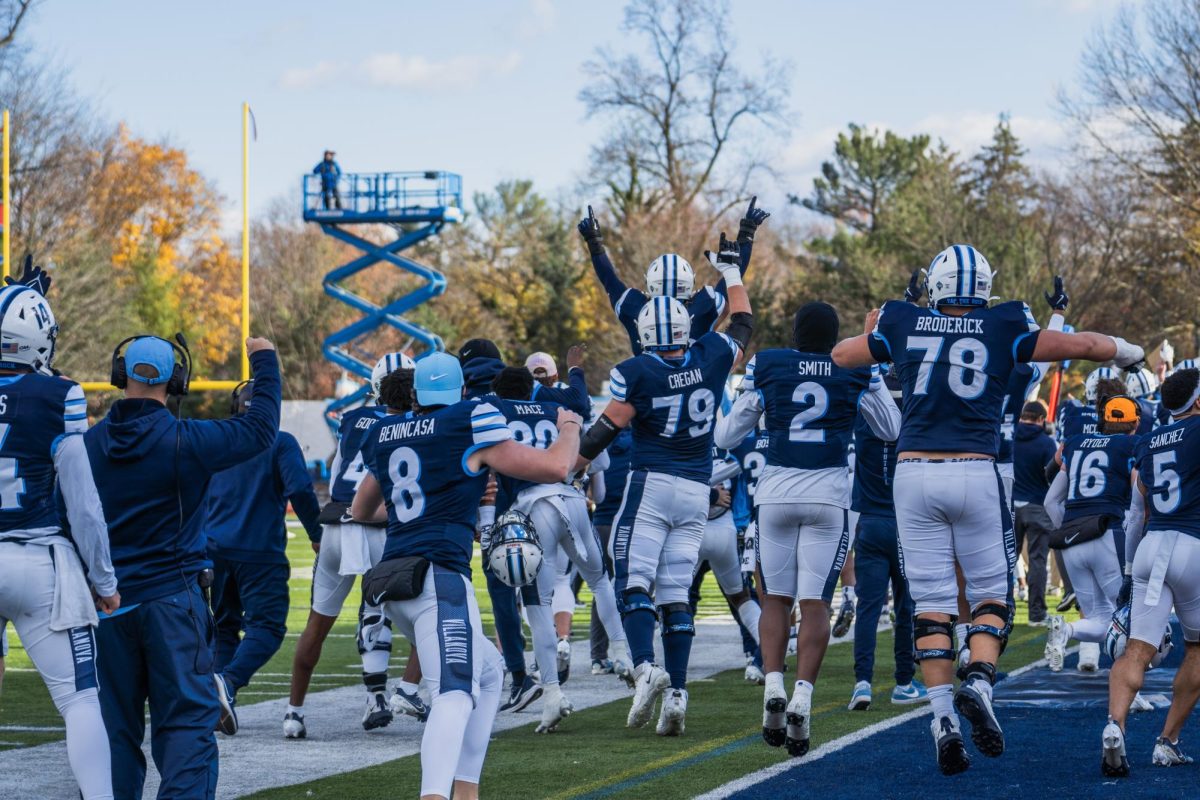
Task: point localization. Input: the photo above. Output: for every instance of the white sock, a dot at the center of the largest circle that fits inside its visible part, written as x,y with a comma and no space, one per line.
291,709
803,689
749,613
960,634
774,680
941,699
87,745
442,742
479,727
545,643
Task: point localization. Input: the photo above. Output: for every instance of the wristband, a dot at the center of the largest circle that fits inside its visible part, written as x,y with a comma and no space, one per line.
732,275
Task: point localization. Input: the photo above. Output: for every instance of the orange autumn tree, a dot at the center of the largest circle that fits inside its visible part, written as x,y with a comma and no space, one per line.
168,258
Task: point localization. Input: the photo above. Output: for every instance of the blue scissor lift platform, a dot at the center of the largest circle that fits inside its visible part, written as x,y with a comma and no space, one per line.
417,205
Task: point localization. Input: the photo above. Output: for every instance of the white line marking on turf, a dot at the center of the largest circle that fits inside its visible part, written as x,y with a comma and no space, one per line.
766,773
32,729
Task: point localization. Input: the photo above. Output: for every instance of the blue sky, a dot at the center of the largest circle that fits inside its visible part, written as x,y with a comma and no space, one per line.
489,89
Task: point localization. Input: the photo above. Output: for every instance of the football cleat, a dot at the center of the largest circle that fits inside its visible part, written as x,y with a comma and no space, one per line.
948,741
564,661
293,726
1067,603
227,723
1056,642
409,704
602,666
974,702
774,721
520,696
650,681
911,694
799,714
674,709
623,671
1113,763
555,708
845,618
860,700
754,674
1168,754
378,713
1140,704
1089,656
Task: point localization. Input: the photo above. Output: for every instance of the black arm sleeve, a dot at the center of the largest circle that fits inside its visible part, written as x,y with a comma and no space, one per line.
1052,470
598,437
741,328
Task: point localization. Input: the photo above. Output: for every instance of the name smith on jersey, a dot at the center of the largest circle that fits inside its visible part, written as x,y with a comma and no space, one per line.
824,368
933,324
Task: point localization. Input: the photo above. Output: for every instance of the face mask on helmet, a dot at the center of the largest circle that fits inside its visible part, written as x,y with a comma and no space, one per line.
670,275
385,366
28,332
959,276
663,324
512,549
1117,638
1141,383
1092,382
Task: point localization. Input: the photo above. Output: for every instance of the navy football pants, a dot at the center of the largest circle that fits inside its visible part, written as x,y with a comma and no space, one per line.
508,622
250,603
161,651
876,562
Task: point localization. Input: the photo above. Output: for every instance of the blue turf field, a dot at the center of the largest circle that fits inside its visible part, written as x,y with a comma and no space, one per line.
1053,750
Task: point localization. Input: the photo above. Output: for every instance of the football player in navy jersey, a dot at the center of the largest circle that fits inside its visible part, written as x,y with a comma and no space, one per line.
1075,419
802,497
427,473
669,394
1164,558
348,549
45,567
668,275
954,360
560,516
1087,502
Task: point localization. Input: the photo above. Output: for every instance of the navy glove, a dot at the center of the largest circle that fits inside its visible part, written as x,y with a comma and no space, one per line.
916,288
1059,300
1126,593
749,224
35,278
589,229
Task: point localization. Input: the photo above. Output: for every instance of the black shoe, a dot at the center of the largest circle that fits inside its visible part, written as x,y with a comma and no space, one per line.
1067,603
975,704
378,713
521,695
951,752
845,618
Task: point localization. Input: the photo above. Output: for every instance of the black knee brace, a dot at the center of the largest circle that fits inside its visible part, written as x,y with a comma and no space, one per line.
979,669
676,619
1004,612
923,627
632,600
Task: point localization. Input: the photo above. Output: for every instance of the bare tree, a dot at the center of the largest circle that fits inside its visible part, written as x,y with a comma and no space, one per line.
12,13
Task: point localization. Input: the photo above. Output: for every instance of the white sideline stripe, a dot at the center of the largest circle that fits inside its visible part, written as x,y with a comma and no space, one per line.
260,758
754,778
32,729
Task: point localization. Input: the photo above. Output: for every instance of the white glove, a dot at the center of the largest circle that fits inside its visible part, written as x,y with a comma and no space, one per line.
1127,354
727,261
1166,352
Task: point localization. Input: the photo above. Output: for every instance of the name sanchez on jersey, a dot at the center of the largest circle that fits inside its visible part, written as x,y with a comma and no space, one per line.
419,426
1168,438
950,325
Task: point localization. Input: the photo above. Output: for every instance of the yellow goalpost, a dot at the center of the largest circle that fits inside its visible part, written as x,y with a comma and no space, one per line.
10,268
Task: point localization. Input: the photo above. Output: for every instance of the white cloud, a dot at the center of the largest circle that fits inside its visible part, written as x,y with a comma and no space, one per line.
967,131
403,71
539,19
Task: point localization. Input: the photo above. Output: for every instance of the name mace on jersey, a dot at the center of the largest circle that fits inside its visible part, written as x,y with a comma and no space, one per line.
950,325
421,426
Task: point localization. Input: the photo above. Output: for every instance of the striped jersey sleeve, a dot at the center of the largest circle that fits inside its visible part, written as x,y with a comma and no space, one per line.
748,381
488,426
617,385
75,410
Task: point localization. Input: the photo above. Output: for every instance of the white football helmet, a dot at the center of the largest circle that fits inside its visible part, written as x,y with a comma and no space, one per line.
1187,363
1093,380
672,276
28,331
959,276
1117,637
1141,383
389,363
513,551
663,324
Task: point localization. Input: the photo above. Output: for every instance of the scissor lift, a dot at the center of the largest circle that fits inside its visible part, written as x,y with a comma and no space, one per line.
426,200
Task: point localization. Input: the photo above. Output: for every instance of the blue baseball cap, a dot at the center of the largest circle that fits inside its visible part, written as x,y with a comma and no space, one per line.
153,352
438,380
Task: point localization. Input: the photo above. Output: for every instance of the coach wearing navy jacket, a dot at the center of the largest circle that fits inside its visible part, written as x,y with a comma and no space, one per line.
152,473
1032,450
247,539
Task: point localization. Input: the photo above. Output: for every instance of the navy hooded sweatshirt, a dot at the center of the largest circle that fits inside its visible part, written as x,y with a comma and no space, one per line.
152,471
478,374
1032,450
247,505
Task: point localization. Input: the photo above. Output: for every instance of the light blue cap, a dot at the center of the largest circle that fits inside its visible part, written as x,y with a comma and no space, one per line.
438,380
154,352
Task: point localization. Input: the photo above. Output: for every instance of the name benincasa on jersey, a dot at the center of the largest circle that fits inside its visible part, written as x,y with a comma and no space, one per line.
405,429
939,324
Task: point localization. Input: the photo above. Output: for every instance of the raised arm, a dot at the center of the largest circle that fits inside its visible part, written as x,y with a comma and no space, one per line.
748,226
220,444
856,351
733,427
1059,346
589,229
551,465
616,417
879,409
575,397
